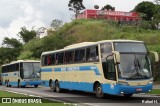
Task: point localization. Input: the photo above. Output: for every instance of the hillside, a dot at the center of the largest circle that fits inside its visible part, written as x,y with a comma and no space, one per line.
90,30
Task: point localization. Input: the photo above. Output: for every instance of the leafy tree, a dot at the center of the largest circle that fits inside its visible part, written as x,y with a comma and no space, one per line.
147,8
108,7
11,43
76,6
56,24
27,35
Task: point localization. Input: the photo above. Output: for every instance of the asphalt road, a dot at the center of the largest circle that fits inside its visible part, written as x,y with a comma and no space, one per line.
84,98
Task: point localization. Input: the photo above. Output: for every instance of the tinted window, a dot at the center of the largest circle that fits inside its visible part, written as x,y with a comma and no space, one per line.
106,49
79,55
69,55
59,58
52,59
130,47
92,53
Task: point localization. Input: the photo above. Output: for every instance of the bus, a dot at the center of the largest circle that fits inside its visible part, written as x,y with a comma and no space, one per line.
21,73
104,67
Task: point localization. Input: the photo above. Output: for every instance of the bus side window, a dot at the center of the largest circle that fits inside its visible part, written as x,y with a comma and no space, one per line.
92,53
52,59
49,60
45,60
69,55
79,55
59,58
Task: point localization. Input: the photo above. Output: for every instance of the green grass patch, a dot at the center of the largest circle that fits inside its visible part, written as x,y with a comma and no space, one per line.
12,95
154,91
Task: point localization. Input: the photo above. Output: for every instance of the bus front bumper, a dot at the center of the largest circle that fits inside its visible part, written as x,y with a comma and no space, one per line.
125,89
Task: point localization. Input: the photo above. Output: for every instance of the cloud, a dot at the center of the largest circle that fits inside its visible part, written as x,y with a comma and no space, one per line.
30,13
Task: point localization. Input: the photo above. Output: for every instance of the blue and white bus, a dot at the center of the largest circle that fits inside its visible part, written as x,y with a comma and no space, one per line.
21,73
104,67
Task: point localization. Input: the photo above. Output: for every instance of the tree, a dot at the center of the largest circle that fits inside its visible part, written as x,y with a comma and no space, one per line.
11,43
27,35
76,6
147,8
56,24
108,7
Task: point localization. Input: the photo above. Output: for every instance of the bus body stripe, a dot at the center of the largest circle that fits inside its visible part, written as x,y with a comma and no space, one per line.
80,68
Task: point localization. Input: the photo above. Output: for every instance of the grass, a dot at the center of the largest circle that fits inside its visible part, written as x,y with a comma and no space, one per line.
8,94
154,91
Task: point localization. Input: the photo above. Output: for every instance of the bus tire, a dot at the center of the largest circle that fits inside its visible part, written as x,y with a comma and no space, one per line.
57,88
35,86
99,91
128,95
52,86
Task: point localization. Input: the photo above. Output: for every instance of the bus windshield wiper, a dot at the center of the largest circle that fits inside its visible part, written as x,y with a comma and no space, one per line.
137,68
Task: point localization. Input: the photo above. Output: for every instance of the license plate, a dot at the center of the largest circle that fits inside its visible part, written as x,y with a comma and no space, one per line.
139,89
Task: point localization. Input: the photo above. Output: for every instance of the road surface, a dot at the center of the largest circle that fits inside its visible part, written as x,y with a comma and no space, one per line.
84,98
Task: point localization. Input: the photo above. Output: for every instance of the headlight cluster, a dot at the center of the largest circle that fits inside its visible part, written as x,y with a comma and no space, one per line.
150,82
122,83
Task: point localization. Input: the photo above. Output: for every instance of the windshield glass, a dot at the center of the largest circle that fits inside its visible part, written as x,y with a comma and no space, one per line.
134,61
130,47
134,66
31,70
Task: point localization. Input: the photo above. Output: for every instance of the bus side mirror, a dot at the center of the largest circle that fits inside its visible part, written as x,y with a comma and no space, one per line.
117,55
155,55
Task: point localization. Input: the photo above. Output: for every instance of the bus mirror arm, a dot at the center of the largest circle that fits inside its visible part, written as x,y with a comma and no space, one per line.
155,56
117,56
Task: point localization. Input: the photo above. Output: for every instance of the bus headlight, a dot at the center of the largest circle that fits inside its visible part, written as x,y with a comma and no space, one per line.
122,83
150,82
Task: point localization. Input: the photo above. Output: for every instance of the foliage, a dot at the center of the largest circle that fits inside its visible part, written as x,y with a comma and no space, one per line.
147,8
8,54
76,6
11,43
56,24
108,7
27,35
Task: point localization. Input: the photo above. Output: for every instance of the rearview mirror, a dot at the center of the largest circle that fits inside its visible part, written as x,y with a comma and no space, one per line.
155,55
117,55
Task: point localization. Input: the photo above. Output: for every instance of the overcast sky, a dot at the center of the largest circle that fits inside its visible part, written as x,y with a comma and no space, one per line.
15,14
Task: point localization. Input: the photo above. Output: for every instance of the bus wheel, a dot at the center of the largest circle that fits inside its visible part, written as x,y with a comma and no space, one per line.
98,90
35,86
128,95
52,87
57,87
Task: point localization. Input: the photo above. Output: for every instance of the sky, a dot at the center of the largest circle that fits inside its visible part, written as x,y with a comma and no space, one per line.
15,14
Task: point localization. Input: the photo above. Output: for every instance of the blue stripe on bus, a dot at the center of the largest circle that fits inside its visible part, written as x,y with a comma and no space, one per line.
80,68
46,69
107,88
24,83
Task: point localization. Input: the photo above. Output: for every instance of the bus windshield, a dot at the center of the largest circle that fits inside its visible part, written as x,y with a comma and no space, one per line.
134,66
134,62
31,70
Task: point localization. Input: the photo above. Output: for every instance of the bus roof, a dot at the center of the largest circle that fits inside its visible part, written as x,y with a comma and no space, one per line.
23,61
84,44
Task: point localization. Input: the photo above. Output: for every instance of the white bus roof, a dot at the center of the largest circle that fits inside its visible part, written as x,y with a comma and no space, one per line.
18,61
84,44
